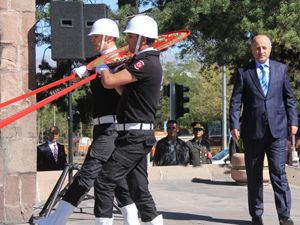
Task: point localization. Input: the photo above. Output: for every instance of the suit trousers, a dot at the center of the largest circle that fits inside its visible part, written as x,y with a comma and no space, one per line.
275,149
91,168
128,160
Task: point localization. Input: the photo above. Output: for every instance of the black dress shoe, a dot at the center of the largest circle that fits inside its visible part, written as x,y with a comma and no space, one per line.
286,221
257,221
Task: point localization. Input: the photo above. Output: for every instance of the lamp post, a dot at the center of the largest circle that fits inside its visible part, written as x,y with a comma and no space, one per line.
70,132
224,114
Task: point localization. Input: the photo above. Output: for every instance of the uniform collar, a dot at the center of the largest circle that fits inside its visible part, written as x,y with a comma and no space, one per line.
108,50
145,50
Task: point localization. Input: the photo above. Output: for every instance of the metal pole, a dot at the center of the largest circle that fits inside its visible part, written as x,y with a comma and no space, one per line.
172,100
70,132
54,118
224,118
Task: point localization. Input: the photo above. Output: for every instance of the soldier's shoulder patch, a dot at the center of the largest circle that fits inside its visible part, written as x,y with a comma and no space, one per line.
139,64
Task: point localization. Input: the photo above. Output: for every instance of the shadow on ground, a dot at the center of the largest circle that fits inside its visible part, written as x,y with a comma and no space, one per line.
215,182
188,216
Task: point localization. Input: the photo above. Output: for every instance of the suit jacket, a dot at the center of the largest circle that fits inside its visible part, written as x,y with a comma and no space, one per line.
277,109
45,158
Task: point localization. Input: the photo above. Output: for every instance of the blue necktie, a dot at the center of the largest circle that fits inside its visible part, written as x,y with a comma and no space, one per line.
263,79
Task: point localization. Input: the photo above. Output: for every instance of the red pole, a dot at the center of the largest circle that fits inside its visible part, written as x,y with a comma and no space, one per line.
45,101
72,76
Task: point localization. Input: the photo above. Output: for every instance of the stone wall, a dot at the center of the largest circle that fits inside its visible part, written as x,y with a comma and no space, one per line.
18,139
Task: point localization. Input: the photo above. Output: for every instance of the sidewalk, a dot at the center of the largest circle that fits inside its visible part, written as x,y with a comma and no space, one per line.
201,196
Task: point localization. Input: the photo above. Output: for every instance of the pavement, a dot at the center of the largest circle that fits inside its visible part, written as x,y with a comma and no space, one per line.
198,196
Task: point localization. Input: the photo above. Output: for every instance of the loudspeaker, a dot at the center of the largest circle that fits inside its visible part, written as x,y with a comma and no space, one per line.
71,23
91,13
66,30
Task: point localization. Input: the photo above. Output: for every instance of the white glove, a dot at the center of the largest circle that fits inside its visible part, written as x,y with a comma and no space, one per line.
81,71
101,68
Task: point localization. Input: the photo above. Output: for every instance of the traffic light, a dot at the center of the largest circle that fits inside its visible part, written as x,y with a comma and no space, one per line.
166,90
180,99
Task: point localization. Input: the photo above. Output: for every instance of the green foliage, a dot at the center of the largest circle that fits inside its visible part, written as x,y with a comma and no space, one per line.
219,29
49,116
205,93
240,145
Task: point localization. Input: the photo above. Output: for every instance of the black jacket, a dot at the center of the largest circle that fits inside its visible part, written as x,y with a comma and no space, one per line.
45,158
164,157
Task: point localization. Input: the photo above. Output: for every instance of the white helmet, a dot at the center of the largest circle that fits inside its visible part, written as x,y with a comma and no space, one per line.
105,27
142,25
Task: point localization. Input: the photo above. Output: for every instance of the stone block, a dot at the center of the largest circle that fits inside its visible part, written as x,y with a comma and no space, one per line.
3,6
21,155
23,6
8,134
11,87
1,168
12,192
28,28
1,203
28,191
11,33
13,214
8,58
24,58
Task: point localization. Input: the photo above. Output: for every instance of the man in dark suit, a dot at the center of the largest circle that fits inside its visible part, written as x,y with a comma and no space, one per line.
51,155
262,89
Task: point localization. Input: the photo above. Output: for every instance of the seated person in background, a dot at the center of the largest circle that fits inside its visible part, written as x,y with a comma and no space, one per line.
199,147
171,150
51,155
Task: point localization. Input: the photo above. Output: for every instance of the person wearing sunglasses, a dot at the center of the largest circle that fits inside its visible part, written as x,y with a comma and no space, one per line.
171,150
199,146
51,154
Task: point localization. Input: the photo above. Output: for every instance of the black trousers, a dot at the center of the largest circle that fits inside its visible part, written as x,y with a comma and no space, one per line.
100,150
275,149
128,160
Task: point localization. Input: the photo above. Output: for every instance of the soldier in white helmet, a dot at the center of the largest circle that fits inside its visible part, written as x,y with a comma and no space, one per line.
139,85
103,34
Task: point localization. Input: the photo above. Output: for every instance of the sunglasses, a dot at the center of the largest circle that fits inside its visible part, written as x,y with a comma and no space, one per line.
197,129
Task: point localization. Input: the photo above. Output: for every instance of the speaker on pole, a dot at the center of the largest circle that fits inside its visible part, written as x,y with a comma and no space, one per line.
66,30
71,23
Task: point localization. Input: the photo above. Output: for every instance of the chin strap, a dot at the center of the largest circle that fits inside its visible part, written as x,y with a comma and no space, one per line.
102,43
138,43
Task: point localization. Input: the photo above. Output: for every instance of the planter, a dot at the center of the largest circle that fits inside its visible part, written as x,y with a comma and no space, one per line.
238,170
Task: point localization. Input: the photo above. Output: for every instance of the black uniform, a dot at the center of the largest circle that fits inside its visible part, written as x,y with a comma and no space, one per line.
136,115
104,103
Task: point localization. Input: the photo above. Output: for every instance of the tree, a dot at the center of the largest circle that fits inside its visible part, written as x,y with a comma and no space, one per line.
205,83
222,30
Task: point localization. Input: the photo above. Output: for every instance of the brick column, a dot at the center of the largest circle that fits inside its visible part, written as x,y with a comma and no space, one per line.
18,139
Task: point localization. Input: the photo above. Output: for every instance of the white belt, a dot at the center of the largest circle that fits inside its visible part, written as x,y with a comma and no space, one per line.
134,126
104,119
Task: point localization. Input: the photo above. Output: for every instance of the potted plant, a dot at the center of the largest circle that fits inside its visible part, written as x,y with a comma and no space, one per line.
238,169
